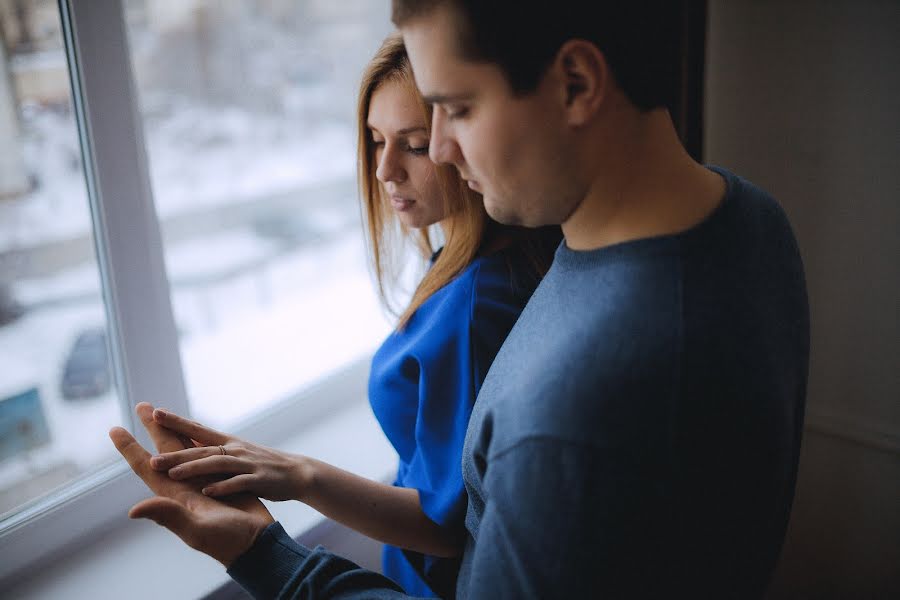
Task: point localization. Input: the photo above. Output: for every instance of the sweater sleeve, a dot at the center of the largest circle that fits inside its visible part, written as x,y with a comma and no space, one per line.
573,533
278,567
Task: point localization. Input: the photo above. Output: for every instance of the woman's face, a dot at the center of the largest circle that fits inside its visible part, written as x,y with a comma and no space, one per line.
400,136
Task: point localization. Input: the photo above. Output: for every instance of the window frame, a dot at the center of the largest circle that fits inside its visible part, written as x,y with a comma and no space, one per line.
145,358
142,332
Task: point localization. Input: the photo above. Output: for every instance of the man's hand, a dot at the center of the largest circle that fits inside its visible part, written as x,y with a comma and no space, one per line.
223,530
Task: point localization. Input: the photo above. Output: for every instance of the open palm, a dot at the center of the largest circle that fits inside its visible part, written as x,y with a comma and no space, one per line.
221,529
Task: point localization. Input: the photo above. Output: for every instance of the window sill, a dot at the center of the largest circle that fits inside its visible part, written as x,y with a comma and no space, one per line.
139,559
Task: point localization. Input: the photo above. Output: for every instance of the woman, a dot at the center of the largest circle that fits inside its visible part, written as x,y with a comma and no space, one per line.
427,373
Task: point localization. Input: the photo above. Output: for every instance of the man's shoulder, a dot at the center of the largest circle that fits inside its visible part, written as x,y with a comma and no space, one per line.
753,211
578,380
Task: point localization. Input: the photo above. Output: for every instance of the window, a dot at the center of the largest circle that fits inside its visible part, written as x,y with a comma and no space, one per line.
179,224
248,111
57,390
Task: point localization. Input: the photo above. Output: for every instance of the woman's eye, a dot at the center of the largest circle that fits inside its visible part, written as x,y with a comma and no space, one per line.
418,151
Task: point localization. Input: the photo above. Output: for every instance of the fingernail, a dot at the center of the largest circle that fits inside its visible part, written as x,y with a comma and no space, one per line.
206,491
160,412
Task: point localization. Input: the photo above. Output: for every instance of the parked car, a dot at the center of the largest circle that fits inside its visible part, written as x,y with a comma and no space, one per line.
87,373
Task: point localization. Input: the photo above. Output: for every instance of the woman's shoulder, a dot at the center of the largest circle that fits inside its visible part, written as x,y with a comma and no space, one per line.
503,281
487,279
500,280
517,268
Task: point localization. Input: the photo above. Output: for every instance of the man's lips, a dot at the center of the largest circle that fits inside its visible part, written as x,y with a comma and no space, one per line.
469,181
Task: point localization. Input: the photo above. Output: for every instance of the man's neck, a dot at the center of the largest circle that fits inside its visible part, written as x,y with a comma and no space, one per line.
644,185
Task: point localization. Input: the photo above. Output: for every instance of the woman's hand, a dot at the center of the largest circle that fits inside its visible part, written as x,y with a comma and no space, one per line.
258,470
384,512
221,529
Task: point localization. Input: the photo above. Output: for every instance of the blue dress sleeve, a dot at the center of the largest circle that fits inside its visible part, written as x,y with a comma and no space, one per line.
451,370
450,376
422,389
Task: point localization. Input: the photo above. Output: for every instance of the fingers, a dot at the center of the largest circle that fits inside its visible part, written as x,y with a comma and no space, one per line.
211,465
164,439
166,461
218,529
234,485
189,428
134,453
166,512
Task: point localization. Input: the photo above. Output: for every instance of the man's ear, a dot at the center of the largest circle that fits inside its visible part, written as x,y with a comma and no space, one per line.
586,78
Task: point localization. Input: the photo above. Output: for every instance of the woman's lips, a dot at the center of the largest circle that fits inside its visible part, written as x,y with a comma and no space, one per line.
401,204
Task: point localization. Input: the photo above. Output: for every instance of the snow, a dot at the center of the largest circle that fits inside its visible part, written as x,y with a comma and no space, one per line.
264,308
260,317
242,349
199,159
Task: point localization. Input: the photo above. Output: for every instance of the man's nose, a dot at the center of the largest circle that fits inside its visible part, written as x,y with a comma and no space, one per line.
389,166
442,148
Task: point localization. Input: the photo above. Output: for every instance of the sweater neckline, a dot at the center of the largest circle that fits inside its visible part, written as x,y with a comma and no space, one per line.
659,244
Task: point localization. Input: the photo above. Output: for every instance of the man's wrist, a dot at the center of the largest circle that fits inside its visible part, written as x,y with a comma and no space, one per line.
265,568
253,532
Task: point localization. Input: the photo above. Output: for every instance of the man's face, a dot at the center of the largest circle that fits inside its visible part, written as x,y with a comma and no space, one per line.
512,149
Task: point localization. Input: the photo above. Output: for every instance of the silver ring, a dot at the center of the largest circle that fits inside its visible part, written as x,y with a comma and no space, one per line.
222,450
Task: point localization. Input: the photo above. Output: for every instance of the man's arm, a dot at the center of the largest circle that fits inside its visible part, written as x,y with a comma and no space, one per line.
278,567
566,520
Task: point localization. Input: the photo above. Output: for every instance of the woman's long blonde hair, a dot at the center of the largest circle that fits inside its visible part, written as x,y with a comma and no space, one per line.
466,223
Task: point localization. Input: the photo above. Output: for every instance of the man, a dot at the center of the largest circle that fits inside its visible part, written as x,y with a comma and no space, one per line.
638,434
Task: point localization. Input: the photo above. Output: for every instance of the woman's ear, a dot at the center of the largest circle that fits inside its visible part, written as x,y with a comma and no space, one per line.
586,77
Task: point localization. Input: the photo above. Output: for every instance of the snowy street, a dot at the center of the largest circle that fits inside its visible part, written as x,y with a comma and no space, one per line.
250,133
246,343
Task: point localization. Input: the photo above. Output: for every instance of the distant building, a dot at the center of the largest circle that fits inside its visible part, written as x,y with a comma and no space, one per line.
13,178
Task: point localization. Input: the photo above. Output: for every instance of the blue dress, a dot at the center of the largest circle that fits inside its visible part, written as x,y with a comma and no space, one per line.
423,384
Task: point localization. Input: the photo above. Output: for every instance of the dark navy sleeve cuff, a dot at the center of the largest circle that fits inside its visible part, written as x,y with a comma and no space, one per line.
269,564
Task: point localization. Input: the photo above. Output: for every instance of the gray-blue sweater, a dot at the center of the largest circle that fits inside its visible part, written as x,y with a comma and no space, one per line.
638,433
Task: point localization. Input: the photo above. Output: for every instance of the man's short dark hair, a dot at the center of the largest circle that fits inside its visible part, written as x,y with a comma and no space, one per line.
639,38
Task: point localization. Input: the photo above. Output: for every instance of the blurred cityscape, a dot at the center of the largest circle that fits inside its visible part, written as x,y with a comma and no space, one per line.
248,112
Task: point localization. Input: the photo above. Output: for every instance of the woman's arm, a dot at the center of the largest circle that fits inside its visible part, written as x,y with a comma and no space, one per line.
389,514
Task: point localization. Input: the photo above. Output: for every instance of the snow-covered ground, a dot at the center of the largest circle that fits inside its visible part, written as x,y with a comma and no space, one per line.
264,308
246,342
260,317
199,159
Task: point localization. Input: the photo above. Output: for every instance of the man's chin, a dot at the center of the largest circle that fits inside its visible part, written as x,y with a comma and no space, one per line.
501,212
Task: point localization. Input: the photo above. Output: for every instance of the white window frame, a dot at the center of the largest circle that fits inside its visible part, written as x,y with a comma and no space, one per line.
140,320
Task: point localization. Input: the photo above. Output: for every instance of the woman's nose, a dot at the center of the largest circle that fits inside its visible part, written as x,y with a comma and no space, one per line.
389,166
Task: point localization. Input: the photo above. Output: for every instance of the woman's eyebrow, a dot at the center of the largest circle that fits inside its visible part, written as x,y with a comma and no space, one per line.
412,129
404,131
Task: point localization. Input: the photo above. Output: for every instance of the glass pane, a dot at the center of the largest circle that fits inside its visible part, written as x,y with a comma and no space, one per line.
57,395
249,120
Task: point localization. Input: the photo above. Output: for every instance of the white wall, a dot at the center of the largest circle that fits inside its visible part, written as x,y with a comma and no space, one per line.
802,98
